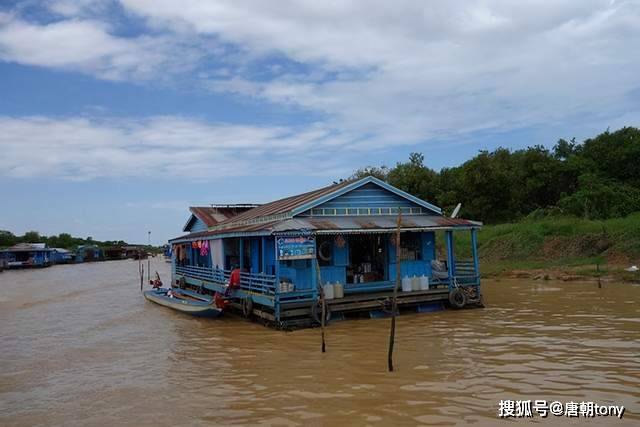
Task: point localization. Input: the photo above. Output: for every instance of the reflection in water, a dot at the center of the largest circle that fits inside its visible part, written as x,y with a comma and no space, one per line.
80,346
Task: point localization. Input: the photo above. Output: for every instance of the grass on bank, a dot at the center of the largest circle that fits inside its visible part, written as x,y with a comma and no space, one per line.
556,242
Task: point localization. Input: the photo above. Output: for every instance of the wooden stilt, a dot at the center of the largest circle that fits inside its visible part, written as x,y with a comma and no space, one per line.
141,272
323,314
394,301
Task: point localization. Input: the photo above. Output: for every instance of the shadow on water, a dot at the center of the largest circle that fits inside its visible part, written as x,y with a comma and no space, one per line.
80,346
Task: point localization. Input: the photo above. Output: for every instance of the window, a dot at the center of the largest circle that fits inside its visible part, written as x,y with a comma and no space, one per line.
410,247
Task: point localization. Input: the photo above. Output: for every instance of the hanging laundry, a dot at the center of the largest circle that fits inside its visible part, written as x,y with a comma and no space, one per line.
204,249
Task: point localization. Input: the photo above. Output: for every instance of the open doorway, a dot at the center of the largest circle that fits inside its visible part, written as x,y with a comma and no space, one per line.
367,258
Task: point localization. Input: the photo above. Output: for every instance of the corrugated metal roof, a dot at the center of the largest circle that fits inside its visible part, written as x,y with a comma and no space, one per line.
27,247
387,222
285,205
377,224
61,250
214,215
281,216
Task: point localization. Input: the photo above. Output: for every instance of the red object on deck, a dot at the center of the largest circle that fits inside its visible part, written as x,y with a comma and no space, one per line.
220,301
234,279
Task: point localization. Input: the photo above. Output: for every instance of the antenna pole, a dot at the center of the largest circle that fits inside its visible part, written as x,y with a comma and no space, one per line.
148,257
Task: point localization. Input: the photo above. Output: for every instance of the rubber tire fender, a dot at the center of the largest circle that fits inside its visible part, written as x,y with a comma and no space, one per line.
321,254
457,298
316,310
247,307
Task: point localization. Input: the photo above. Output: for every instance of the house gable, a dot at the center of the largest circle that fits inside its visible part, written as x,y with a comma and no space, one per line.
371,197
194,225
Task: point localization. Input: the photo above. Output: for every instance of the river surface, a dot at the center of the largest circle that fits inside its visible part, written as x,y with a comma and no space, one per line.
79,346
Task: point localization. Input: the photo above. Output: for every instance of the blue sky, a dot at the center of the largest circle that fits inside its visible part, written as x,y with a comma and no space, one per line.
115,116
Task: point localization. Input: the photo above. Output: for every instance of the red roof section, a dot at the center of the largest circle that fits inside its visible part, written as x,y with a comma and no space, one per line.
214,215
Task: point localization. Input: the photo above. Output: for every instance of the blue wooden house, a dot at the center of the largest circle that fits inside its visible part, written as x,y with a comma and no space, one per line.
89,253
342,236
25,255
62,256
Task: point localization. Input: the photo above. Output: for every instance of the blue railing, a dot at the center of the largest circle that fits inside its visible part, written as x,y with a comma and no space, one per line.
251,282
261,283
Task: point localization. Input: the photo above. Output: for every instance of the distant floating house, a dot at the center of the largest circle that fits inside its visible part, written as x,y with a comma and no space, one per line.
114,253
62,256
89,253
123,252
25,255
340,238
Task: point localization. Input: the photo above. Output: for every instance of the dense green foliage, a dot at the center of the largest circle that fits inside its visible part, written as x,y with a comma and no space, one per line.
62,240
597,179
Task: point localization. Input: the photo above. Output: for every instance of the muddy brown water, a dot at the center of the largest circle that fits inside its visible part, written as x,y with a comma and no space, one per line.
79,346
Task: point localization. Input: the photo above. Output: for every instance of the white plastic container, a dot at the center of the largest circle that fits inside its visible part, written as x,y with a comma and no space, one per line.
424,283
406,284
328,291
338,290
415,283
284,287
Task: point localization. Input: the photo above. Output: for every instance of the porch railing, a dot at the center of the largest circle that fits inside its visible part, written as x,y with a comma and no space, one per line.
261,283
252,282
465,268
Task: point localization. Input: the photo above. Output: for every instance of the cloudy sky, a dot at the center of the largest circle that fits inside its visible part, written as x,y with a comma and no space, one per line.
117,115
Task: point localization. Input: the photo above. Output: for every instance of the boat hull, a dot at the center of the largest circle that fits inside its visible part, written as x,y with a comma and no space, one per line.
193,308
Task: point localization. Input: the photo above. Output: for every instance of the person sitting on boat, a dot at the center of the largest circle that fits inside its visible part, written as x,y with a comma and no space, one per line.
156,283
170,293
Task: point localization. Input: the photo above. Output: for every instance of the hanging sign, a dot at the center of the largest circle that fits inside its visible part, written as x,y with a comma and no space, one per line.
296,247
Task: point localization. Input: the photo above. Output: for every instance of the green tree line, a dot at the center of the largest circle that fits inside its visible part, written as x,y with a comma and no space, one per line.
62,240
596,179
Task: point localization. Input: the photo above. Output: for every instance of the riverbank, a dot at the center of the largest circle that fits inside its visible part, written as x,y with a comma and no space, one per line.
562,248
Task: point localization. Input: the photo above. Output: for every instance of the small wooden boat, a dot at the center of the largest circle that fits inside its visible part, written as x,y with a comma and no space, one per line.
184,302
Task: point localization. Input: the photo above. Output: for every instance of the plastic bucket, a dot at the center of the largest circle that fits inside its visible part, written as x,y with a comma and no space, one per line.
424,283
338,290
328,291
406,284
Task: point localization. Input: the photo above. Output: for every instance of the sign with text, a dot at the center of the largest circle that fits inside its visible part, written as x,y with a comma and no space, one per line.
296,247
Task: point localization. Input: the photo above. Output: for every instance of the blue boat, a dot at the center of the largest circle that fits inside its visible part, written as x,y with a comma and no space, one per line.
184,302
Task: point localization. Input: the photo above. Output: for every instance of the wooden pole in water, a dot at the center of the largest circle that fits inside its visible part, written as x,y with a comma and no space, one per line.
394,301
598,270
140,270
324,309
148,257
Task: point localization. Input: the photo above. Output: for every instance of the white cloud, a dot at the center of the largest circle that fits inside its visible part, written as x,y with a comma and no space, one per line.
373,73
407,71
87,46
166,146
